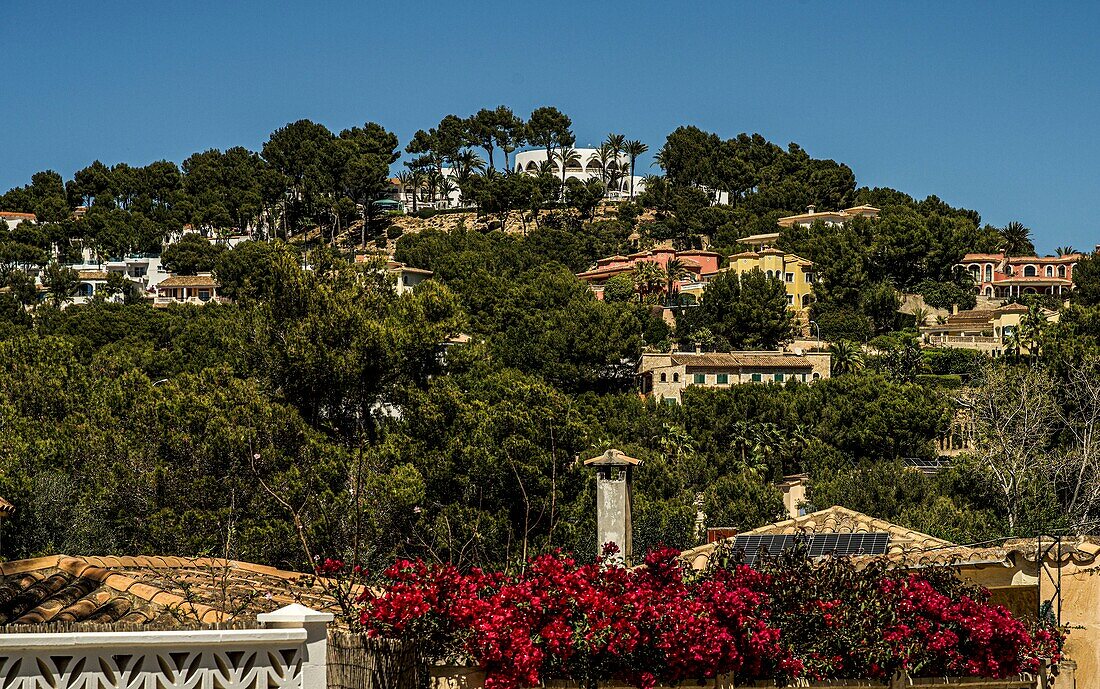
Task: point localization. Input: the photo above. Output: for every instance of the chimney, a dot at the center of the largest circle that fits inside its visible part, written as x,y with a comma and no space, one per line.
614,476
811,208
794,493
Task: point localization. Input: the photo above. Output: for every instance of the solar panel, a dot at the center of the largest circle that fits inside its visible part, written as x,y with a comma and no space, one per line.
819,545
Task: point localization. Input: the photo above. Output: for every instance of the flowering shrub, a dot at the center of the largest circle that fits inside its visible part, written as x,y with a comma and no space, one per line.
663,623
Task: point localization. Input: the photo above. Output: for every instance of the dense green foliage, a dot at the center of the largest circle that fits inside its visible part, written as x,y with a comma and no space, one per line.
320,412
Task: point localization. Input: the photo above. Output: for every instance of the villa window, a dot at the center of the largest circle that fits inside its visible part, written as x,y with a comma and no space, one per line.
809,277
1029,271
1050,271
816,376
664,377
788,277
790,300
756,378
700,379
722,379
1061,271
989,272
778,377
675,377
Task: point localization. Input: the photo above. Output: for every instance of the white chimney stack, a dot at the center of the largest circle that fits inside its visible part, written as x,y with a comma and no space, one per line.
614,477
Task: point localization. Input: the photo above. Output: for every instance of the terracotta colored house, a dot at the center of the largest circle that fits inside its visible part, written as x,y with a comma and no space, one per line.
701,267
1003,277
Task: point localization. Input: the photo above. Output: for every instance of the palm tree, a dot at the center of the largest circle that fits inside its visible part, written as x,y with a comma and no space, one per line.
634,149
406,179
446,188
920,315
649,277
1031,330
616,142
675,270
566,156
604,155
847,357
1017,239
1065,251
546,167
432,178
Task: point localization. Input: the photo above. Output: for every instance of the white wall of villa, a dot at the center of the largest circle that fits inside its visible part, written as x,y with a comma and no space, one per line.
585,168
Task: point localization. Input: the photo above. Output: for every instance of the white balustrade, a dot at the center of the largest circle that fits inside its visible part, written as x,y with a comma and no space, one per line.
288,653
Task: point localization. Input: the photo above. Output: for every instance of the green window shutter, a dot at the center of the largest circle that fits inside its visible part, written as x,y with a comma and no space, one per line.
700,379
723,379
779,377
756,378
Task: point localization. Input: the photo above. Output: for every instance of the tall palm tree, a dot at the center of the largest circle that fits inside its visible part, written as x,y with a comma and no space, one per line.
616,142
405,179
467,164
604,155
1065,251
446,188
1017,239
634,149
675,270
1030,334
418,180
566,156
847,357
649,278
432,178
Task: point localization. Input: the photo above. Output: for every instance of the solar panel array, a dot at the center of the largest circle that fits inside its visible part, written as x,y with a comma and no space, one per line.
873,543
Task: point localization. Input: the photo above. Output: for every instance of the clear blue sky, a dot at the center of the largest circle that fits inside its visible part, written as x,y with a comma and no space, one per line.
992,106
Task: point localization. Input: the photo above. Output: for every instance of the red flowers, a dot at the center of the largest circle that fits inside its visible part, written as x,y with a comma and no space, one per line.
663,623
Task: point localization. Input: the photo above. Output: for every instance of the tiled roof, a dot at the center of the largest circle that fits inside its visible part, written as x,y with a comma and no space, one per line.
188,281
909,548
91,275
982,257
21,216
833,520
142,590
6,508
739,360
757,238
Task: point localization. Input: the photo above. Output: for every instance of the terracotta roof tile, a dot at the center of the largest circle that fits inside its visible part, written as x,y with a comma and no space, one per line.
740,360
188,281
148,588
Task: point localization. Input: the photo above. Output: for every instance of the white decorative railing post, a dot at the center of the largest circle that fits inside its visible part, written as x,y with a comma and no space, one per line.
295,616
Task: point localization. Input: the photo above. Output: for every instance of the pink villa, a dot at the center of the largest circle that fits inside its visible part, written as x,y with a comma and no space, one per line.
1004,277
701,266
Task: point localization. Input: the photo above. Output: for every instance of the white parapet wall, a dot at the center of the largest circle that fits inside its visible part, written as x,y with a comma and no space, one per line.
288,653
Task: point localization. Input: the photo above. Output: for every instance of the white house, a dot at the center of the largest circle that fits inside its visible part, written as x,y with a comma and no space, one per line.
586,167
13,219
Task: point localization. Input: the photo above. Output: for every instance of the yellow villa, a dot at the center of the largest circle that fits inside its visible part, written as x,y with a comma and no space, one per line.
797,273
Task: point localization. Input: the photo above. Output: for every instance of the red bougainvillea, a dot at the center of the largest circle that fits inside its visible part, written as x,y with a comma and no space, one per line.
663,623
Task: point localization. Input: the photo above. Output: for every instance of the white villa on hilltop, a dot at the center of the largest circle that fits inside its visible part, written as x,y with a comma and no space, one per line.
585,167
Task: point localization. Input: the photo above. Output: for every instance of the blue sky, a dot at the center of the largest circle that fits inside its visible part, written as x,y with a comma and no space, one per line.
992,106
